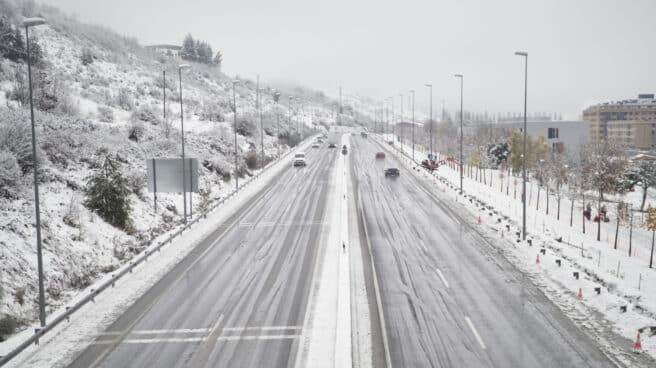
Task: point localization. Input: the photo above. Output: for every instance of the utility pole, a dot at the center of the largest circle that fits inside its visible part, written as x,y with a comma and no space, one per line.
234,105
184,172
461,77
430,119
525,55
27,23
413,125
401,126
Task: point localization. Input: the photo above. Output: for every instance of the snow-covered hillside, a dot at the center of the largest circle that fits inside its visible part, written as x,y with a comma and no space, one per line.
114,106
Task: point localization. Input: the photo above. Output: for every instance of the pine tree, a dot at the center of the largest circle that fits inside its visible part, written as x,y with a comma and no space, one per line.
218,59
641,173
188,51
108,194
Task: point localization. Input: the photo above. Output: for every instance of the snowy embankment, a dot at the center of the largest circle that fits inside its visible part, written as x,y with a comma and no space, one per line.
61,344
624,296
114,106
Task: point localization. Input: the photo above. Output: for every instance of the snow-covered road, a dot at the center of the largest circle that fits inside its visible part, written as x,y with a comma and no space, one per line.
450,299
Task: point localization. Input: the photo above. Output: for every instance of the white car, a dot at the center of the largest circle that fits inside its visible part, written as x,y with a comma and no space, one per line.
299,159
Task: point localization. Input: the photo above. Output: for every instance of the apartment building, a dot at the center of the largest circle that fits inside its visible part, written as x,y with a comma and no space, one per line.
632,122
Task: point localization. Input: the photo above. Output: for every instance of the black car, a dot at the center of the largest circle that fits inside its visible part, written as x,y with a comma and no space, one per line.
332,145
344,150
392,172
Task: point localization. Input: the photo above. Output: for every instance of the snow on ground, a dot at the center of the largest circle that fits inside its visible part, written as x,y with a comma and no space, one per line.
115,94
61,344
596,262
326,341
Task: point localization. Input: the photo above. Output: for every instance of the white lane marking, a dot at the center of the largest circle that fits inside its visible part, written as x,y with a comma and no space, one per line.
264,328
260,337
439,273
476,335
202,330
197,339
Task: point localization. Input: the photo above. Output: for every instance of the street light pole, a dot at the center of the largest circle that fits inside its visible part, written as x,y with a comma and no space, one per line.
461,77
430,119
386,118
393,119
27,23
164,90
401,128
413,124
259,106
289,118
184,172
525,55
276,97
234,105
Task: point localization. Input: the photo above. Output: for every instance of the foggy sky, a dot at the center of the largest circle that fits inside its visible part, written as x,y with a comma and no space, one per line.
580,51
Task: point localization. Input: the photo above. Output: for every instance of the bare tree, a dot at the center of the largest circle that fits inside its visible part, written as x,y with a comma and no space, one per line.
602,166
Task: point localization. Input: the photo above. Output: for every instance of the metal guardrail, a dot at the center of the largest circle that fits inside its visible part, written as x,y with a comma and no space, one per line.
93,292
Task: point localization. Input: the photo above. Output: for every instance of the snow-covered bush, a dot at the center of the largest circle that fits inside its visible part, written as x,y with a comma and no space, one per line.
105,114
124,100
251,160
136,131
145,114
136,182
9,174
220,167
211,111
87,56
245,127
108,194
8,325
72,215
16,137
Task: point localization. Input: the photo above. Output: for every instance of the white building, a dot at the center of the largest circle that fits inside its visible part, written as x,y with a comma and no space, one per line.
565,137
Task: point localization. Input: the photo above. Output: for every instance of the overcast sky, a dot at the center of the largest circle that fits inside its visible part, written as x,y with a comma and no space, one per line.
580,51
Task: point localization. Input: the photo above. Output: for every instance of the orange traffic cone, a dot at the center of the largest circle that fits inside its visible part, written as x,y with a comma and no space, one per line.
537,259
637,347
580,294
501,234
479,220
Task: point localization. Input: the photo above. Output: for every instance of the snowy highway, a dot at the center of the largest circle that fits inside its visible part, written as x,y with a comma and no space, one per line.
449,298
239,299
439,294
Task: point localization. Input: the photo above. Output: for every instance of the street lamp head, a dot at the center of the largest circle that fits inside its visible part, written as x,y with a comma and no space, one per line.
32,22
235,81
458,75
521,53
429,85
184,66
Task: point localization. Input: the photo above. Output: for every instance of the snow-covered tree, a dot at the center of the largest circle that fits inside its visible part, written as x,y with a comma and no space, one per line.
498,154
602,167
556,177
9,174
188,51
651,226
218,59
642,173
536,150
108,194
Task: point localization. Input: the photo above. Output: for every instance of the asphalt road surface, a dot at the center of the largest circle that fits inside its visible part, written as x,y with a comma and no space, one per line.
449,298
239,299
